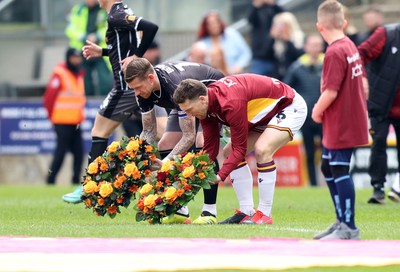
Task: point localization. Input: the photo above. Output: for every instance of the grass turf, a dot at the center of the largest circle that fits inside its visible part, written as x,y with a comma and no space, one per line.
297,213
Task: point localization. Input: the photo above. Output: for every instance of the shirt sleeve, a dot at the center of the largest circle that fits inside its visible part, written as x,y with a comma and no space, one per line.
211,139
149,32
334,70
51,93
372,48
135,24
105,52
236,116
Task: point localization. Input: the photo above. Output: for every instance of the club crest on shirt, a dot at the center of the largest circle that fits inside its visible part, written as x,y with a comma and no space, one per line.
130,18
280,116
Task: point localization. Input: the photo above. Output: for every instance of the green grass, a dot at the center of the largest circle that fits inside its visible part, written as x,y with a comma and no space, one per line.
297,212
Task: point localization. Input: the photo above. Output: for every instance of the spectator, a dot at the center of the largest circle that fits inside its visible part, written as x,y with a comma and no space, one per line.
213,32
198,53
341,109
373,18
87,21
304,76
64,100
153,53
288,42
261,120
380,52
122,46
217,59
260,19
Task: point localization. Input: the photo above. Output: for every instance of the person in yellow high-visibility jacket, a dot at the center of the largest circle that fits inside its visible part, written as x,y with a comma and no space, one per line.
64,100
87,21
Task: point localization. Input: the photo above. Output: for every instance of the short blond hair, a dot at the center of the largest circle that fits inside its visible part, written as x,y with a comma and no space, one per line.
331,15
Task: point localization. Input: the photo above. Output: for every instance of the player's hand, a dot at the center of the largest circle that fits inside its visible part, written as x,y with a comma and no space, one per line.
91,50
317,118
157,163
218,180
126,61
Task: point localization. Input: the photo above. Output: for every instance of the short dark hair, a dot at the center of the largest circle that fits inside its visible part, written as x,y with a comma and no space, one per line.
189,89
137,68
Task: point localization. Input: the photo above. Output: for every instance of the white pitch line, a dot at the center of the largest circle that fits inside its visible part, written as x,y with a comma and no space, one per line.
291,229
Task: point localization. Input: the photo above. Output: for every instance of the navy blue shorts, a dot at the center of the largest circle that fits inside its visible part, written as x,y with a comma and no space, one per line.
337,156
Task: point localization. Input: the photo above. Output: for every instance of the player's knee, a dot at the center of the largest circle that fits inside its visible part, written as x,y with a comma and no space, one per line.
340,170
164,144
263,153
326,168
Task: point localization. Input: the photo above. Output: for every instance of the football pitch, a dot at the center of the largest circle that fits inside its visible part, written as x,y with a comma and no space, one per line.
36,217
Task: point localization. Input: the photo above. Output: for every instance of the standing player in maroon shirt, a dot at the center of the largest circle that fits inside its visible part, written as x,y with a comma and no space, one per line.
263,115
342,111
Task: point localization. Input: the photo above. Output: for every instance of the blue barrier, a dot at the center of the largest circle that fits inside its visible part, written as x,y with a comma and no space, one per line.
25,128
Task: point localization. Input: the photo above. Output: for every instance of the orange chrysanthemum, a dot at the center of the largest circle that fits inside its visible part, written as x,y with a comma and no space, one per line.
112,209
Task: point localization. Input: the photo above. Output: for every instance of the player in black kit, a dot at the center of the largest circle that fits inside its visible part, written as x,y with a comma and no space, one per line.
125,32
156,86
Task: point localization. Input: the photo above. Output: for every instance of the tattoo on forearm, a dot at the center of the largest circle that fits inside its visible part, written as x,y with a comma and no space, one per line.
188,137
149,123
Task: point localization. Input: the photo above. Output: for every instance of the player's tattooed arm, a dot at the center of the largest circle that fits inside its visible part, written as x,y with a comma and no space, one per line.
149,123
187,126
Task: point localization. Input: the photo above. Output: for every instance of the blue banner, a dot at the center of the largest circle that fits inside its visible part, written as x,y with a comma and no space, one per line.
26,129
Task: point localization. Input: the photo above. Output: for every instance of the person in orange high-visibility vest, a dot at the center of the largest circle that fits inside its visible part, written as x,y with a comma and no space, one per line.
64,100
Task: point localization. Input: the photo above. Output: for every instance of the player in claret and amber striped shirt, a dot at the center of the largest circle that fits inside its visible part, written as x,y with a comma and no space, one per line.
263,115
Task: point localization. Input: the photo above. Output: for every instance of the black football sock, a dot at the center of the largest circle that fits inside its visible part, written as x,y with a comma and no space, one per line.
164,153
99,145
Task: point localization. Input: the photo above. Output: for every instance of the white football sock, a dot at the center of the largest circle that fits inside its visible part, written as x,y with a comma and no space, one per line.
184,210
211,208
242,182
396,183
266,186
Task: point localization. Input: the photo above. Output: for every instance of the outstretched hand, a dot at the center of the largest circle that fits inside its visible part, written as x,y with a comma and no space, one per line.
91,50
218,180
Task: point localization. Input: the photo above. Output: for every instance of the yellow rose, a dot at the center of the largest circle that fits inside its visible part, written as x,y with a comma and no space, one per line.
130,169
150,201
133,146
106,189
170,193
166,166
188,172
188,158
93,168
113,147
90,187
145,189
